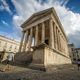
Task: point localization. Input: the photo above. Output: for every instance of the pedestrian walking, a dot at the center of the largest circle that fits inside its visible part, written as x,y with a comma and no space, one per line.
10,59
3,55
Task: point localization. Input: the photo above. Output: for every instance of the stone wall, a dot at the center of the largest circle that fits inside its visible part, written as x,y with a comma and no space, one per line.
53,57
47,56
38,56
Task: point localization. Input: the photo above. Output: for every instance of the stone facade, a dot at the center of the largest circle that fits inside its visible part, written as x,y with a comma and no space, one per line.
47,56
8,44
74,53
77,52
41,29
71,48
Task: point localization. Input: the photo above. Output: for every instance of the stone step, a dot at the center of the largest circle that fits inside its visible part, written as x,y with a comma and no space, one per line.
23,58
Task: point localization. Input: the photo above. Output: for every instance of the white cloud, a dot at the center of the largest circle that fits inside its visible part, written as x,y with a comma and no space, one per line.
17,20
5,6
69,19
5,23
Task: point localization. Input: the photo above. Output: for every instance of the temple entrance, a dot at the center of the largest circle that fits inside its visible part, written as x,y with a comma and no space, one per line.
47,41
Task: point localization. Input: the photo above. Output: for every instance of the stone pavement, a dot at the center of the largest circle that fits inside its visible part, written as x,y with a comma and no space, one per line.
63,72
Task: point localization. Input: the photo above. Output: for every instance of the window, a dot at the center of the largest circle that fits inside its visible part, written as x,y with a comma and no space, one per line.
78,59
73,55
5,45
77,55
15,47
72,49
76,51
10,47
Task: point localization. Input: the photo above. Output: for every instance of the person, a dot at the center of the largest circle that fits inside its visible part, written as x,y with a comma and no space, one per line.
78,63
4,56
10,59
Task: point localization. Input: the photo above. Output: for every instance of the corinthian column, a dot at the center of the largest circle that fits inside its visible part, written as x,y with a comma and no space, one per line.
36,36
43,32
61,42
30,39
58,39
21,43
51,34
55,40
25,42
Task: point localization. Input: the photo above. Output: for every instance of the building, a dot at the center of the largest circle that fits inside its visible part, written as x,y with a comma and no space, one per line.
74,53
8,44
44,30
77,52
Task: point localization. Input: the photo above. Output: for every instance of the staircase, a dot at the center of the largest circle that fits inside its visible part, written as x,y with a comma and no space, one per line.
23,58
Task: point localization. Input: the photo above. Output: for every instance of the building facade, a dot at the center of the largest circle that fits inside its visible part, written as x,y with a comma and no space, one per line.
8,44
77,51
74,53
44,33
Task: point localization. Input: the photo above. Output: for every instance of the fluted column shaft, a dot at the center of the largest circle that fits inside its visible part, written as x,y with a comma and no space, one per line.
55,33
58,40
36,36
26,40
30,40
43,32
51,34
61,43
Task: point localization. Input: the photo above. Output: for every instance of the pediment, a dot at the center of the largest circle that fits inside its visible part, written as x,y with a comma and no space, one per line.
37,16
42,14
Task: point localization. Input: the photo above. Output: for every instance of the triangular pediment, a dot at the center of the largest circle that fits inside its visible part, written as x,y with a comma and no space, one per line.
37,16
42,14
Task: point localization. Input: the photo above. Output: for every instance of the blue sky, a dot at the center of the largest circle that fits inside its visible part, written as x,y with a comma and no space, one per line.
74,5
14,12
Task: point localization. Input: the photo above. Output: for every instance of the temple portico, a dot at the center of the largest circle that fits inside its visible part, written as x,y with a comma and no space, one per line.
45,34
